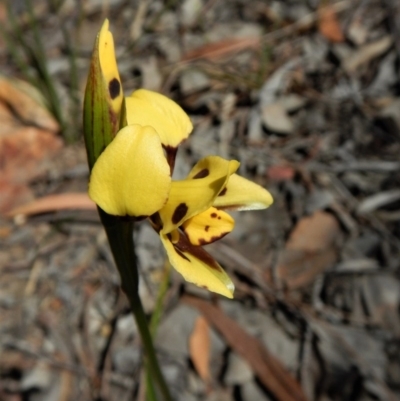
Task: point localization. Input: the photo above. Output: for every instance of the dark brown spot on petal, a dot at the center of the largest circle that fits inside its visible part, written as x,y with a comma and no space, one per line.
171,155
179,213
197,251
114,87
181,254
219,217
156,222
223,192
213,215
203,241
206,228
202,174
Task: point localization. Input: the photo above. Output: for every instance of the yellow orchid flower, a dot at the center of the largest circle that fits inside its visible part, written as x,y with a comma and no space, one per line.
131,169
132,177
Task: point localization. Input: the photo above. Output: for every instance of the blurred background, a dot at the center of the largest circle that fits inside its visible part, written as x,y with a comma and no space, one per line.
305,94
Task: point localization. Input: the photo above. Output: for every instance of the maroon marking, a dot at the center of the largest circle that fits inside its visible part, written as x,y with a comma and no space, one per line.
179,213
171,155
202,174
206,228
181,254
202,241
213,215
184,245
114,87
223,192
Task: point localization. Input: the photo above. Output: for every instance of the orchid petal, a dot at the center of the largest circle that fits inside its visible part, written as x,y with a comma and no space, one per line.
131,177
242,194
103,97
207,227
145,107
197,266
195,195
109,68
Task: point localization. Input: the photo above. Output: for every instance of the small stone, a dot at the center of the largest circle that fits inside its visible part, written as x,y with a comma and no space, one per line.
175,329
193,80
239,371
126,360
39,378
251,391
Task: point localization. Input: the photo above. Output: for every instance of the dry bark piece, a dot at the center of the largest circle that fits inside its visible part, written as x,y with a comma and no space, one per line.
268,369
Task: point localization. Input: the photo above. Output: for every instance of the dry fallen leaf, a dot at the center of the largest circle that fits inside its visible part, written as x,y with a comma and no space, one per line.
199,348
366,53
212,51
24,152
24,100
309,250
8,121
53,203
329,26
279,173
13,194
313,233
269,369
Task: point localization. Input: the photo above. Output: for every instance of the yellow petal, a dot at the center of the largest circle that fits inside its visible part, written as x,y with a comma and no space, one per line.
197,266
131,177
145,107
109,67
208,226
103,97
195,195
242,194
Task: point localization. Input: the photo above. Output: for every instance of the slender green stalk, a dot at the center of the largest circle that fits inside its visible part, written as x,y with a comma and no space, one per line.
120,237
155,320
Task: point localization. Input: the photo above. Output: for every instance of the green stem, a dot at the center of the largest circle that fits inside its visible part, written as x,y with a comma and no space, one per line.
120,237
